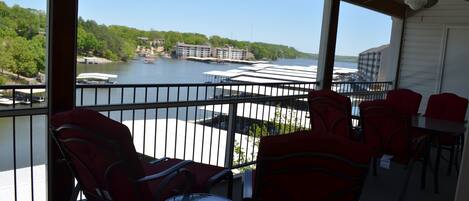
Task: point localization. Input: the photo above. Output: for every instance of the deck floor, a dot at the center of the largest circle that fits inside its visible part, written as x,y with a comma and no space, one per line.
387,185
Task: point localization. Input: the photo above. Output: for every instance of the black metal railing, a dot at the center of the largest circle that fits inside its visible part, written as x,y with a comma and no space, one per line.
22,142
192,121
218,124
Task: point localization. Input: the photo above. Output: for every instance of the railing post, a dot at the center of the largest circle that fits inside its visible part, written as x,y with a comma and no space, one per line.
230,135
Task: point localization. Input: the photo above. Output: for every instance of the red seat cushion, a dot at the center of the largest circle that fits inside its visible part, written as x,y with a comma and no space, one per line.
201,172
386,131
405,101
108,143
447,106
296,166
330,113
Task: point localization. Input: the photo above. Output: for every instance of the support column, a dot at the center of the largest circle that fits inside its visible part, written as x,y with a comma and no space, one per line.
326,59
61,63
397,39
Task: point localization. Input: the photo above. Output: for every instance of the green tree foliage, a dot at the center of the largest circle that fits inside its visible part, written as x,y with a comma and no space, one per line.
118,43
2,81
22,40
23,55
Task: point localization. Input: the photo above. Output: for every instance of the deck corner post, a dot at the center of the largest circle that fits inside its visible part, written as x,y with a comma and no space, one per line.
230,135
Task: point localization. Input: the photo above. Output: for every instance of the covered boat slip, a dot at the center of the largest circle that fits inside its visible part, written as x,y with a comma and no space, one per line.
96,78
22,96
264,73
261,112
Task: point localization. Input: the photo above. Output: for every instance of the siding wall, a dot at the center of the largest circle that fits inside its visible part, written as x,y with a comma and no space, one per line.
423,45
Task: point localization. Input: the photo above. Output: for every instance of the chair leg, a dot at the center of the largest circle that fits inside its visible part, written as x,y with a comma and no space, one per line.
437,166
423,177
375,164
406,181
230,187
456,156
451,160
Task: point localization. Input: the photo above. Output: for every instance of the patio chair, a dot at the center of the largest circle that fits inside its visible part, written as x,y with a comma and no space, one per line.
103,159
450,107
297,167
406,101
331,113
386,132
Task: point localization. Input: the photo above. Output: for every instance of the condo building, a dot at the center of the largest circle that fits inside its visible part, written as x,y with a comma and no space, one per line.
185,50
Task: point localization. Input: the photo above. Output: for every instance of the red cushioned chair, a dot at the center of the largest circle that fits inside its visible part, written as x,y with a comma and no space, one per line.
406,101
297,167
450,107
102,158
386,131
331,113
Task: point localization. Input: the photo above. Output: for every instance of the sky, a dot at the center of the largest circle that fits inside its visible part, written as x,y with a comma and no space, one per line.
295,23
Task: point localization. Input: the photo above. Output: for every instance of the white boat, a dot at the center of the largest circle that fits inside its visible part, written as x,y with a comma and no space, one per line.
96,78
6,101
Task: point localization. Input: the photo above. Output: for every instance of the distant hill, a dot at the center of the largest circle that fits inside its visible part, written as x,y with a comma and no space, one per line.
351,59
23,41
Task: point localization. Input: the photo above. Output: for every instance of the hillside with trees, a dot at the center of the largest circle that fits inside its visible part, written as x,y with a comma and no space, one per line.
23,41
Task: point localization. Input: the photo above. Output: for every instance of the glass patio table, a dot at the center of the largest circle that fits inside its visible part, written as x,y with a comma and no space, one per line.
438,127
197,197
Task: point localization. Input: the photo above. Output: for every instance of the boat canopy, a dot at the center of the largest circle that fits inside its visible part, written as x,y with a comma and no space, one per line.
96,76
29,91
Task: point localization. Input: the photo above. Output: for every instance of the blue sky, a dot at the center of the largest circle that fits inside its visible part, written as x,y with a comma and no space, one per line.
294,23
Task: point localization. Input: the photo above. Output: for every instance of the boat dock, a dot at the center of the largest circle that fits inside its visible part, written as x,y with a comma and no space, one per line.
218,60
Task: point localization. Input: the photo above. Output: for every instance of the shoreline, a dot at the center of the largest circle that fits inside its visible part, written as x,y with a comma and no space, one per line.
217,60
93,60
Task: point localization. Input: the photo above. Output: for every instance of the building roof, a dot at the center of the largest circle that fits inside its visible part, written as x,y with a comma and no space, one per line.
376,49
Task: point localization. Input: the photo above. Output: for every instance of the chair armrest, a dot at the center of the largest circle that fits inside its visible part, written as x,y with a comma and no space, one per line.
153,162
175,168
355,117
247,185
168,175
226,174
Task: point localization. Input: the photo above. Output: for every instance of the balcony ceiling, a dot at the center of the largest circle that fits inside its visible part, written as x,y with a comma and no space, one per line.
395,8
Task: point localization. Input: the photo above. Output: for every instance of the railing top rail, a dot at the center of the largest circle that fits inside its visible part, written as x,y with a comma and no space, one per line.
174,104
41,86
179,85
185,84
382,82
23,112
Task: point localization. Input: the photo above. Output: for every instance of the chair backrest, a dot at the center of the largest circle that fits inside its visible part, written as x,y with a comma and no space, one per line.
300,167
405,101
101,155
447,106
385,130
330,113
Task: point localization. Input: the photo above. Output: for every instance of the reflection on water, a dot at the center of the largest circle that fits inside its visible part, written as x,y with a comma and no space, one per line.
162,71
22,137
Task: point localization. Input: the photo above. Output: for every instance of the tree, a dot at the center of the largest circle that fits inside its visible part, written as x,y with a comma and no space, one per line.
6,58
86,42
22,55
38,45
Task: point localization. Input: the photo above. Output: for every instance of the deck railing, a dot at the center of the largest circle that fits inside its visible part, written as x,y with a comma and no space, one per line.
218,124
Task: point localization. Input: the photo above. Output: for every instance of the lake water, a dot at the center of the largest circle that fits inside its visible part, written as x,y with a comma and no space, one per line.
177,71
135,72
